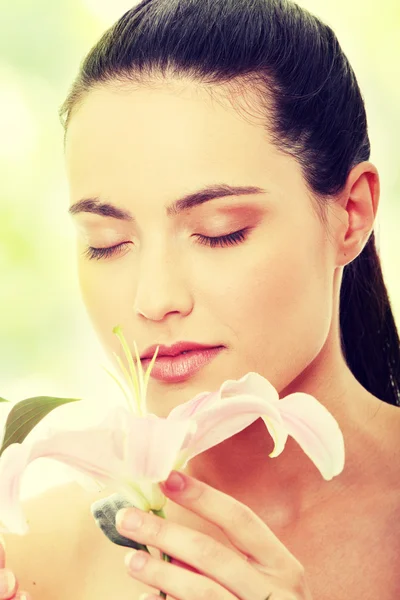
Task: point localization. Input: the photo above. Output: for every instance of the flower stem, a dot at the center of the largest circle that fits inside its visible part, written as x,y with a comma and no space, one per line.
166,557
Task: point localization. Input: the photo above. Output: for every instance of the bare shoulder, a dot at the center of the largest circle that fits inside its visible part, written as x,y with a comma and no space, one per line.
39,558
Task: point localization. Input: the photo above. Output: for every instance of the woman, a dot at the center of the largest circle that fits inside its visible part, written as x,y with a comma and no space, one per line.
179,98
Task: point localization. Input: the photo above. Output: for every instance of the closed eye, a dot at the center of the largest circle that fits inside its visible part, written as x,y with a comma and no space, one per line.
230,239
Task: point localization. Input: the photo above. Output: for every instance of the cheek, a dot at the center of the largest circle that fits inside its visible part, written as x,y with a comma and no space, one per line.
260,293
279,310
105,303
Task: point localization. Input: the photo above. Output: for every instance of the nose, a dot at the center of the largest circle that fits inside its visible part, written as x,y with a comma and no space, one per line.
163,286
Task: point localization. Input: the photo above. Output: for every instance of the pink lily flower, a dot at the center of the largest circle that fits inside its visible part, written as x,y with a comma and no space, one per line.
132,450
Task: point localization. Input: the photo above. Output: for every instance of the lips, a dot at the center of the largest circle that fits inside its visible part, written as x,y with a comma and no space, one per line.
175,369
175,349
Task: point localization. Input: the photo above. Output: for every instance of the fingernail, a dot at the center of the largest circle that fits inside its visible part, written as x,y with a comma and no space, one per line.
175,482
128,558
7,581
135,560
129,519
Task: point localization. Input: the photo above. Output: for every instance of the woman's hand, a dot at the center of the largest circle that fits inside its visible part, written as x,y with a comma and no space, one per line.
8,582
261,569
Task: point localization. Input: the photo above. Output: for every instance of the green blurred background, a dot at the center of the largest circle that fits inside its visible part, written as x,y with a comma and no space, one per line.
47,343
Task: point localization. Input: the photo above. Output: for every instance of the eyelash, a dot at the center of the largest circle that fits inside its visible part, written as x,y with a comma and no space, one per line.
237,237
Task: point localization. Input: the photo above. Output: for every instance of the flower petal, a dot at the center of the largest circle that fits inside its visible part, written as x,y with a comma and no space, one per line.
153,445
97,452
317,432
12,465
227,417
250,384
221,414
196,404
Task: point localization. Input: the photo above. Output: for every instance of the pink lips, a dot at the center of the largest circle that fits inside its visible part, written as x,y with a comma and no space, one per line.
174,350
174,369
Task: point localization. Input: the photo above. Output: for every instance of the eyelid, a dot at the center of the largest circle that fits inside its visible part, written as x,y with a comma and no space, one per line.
233,238
93,253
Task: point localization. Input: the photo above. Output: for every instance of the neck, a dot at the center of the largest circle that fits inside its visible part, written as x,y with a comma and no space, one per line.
281,489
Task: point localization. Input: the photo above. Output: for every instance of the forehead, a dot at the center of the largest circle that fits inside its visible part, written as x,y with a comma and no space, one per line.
172,137
166,122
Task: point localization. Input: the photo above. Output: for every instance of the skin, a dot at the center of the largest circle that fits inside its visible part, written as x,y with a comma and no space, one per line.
276,312
271,301
6,574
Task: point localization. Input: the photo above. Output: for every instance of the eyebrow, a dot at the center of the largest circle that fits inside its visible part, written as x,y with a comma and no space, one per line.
105,209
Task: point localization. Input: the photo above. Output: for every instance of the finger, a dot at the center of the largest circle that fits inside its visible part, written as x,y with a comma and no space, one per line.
23,596
171,579
8,584
244,529
2,552
183,565
153,597
147,596
209,556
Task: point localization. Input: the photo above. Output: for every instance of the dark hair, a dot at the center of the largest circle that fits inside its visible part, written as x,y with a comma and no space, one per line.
311,106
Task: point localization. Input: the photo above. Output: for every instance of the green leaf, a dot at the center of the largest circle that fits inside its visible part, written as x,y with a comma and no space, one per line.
4,400
24,415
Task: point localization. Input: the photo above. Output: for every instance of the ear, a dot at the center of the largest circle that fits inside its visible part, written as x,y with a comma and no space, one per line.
356,211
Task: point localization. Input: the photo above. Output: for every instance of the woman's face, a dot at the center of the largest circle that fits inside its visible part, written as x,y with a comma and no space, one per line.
268,299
